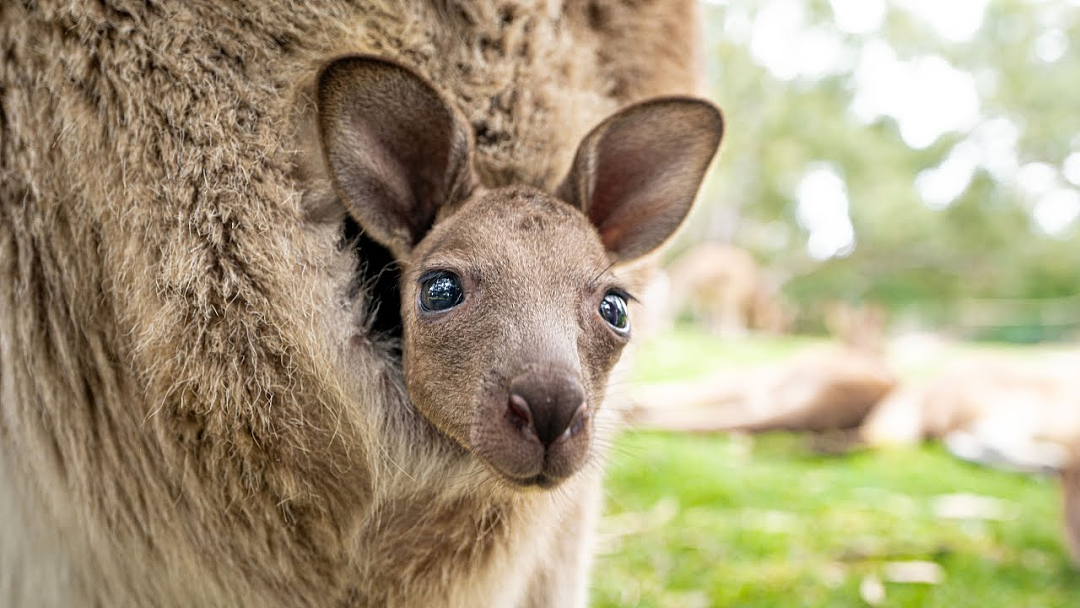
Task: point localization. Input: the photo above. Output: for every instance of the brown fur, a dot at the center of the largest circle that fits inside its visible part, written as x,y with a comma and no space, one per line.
192,411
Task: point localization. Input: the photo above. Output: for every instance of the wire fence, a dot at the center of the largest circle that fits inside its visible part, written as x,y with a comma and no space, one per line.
1008,319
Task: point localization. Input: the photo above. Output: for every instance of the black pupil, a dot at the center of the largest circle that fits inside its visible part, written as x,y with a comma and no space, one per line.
440,292
613,310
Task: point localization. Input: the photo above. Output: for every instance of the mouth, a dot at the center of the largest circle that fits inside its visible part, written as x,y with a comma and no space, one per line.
548,471
542,481
552,470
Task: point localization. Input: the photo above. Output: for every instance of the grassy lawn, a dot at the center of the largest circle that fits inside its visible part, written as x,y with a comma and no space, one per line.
767,521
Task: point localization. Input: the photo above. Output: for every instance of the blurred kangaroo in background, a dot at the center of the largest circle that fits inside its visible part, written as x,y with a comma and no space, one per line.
1070,504
819,389
1021,416
271,339
1070,487
725,291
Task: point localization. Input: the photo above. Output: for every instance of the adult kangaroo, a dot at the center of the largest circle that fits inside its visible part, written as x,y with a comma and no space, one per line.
219,385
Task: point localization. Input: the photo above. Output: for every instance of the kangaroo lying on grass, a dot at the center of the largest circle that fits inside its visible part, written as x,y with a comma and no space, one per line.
995,412
512,318
821,390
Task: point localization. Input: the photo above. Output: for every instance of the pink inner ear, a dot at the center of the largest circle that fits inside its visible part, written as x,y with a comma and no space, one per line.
636,174
641,189
412,159
396,151
619,203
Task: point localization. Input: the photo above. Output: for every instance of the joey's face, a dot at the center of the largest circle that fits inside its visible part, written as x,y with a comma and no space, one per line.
512,322
512,319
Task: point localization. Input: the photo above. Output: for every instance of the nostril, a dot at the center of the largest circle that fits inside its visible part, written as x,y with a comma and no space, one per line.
519,407
577,422
520,413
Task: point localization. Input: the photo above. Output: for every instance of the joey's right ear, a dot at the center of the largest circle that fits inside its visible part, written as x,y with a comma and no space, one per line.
395,150
636,174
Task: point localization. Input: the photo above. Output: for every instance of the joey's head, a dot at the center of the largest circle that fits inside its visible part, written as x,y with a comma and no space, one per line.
512,316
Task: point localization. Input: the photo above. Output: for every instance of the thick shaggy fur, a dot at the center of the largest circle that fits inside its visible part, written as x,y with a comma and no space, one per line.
192,411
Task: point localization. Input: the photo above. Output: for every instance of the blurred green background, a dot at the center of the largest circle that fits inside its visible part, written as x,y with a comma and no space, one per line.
777,521
921,155
924,154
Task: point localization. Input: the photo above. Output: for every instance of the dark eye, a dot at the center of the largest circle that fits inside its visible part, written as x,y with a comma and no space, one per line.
440,291
613,310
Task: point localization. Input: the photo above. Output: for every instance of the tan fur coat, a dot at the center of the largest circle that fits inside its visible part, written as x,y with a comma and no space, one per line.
191,410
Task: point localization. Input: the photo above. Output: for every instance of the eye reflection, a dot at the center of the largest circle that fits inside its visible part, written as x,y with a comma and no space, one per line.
613,310
440,291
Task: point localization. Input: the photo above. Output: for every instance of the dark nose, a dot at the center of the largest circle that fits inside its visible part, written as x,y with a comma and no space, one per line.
549,404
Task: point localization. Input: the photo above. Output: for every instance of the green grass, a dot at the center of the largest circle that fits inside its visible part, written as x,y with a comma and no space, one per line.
767,521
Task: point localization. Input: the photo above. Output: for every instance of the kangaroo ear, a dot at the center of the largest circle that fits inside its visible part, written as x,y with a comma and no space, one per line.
636,174
396,151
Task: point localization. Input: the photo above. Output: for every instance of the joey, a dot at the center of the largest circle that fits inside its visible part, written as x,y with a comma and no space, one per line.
512,314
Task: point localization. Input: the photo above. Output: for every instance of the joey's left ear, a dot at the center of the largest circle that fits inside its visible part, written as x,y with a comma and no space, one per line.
636,174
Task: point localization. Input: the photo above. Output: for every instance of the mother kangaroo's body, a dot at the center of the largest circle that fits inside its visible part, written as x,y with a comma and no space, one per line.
194,410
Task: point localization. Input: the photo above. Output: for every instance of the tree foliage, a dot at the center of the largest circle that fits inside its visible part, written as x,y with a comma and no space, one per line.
998,224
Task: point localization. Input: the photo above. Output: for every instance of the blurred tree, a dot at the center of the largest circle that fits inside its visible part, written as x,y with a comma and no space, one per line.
917,153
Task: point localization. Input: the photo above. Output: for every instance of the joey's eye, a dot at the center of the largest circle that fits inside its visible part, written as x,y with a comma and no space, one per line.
613,310
440,291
